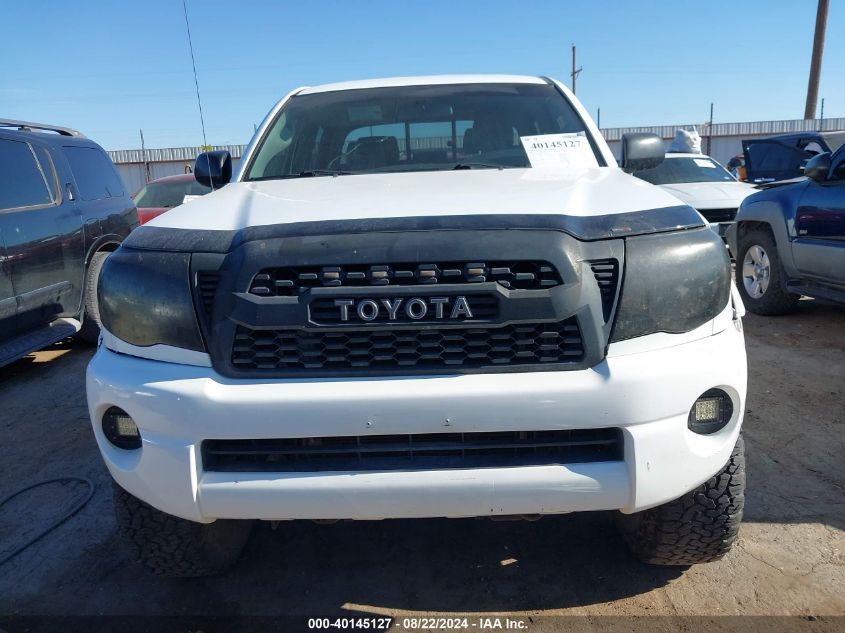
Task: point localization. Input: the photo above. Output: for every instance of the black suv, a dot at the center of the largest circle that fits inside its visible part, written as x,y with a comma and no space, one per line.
63,208
789,239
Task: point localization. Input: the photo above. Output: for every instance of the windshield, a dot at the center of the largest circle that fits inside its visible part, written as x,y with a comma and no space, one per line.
683,169
410,128
169,193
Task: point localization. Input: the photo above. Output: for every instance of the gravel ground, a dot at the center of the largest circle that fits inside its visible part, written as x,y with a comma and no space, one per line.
789,560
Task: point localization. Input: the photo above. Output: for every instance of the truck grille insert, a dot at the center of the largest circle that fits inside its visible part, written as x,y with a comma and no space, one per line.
294,280
413,452
207,287
384,350
606,272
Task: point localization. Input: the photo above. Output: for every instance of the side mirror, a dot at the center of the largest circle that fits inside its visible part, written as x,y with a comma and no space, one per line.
818,167
641,151
213,169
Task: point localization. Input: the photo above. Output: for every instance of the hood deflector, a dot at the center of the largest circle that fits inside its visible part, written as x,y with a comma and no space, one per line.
586,228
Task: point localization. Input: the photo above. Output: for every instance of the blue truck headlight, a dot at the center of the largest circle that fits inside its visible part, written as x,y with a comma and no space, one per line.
145,299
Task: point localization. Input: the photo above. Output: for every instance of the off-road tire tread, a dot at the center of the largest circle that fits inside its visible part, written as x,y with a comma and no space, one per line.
175,547
700,527
90,330
777,299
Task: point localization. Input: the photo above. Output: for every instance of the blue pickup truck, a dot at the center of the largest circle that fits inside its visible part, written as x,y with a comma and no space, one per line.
789,239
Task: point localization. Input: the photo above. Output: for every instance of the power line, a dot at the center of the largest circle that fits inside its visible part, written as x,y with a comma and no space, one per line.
194,64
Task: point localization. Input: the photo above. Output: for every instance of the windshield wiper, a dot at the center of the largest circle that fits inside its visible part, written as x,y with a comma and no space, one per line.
478,166
308,173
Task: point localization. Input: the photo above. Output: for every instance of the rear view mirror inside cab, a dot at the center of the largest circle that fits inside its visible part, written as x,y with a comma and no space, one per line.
426,110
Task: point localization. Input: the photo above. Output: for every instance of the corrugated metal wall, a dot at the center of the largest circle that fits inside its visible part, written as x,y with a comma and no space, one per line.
162,162
726,142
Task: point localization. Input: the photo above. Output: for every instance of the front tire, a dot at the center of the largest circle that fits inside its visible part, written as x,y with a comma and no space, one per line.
700,527
759,275
90,330
174,547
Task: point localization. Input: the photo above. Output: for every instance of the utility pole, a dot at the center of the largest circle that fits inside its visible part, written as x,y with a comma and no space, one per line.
821,117
598,118
144,158
816,63
575,71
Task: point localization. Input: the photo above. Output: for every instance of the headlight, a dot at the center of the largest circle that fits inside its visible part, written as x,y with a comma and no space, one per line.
145,299
674,282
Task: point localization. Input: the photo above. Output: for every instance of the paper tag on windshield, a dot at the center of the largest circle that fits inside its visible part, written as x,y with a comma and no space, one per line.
559,150
703,162
189,197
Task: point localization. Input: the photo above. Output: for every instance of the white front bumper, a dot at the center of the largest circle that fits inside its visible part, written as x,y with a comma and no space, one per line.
648,394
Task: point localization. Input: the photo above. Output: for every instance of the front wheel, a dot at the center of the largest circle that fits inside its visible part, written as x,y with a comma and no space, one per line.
700,527
174,547
90,330
759,276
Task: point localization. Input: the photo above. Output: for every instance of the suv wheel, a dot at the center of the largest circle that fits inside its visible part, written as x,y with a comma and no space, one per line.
759,276
700,527
90,330
170,546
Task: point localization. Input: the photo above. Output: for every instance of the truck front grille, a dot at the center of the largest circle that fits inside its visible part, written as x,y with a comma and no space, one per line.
391,349
291,281
413,452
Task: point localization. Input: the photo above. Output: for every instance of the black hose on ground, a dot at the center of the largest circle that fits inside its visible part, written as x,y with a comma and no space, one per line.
76,508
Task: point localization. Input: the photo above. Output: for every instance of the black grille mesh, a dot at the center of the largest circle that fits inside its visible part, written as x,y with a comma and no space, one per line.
384,348
403,452
294,280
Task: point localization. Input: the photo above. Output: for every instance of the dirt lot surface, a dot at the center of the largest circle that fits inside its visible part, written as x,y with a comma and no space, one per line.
789,560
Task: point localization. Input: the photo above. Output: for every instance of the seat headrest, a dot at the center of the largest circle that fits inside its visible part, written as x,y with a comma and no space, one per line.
487,136
372,152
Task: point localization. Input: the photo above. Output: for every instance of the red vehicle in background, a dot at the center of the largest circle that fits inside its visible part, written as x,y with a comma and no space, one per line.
165,193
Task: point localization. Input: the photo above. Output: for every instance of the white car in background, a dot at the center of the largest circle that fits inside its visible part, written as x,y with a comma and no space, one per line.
703,184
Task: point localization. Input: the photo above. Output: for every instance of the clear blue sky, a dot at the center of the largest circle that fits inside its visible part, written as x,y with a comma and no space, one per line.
110,68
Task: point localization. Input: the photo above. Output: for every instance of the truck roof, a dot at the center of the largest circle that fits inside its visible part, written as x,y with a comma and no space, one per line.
423,81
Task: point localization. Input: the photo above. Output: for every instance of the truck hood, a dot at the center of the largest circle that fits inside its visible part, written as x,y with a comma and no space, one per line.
711,195
573,192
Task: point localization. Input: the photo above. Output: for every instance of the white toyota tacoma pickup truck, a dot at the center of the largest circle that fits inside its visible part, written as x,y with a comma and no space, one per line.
422,297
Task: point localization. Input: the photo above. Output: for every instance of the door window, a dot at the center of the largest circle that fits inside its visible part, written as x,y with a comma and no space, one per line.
94,173
48,169
22,181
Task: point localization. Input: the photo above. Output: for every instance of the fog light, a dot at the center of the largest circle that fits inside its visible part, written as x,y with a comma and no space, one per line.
120,429
711,412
